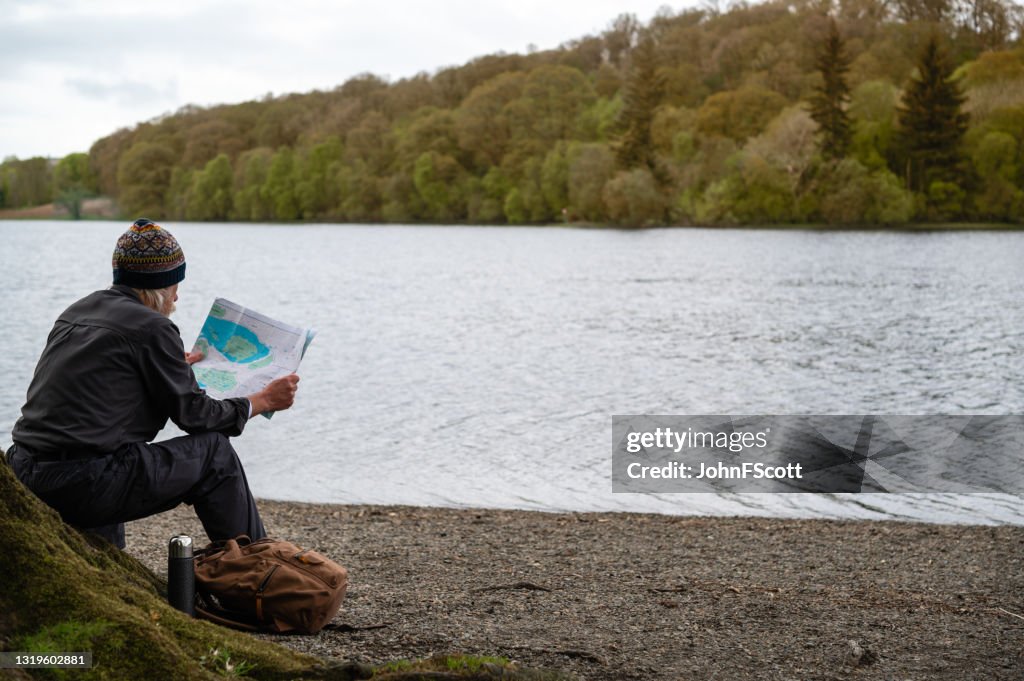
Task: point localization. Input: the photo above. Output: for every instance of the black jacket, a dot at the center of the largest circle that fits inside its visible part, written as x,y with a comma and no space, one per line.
112,373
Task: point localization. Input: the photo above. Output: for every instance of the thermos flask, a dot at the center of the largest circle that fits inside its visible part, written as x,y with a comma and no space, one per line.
181,579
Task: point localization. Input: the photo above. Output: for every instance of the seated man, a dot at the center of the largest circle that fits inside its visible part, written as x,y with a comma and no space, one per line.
113,371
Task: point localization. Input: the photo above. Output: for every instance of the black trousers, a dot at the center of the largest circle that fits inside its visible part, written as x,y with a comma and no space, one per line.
100,494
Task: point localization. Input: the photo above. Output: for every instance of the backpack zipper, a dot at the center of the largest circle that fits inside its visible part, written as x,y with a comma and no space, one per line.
259,592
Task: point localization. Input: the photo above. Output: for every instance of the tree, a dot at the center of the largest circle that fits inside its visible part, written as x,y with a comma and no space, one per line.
643,93
590,168
482,122
554,175
250,175
316,192
828,105
144,175
279,188
553,98
739,114
25,183
850,193
995,158
435,177
633,199
932,124
754,192
73,182
211,191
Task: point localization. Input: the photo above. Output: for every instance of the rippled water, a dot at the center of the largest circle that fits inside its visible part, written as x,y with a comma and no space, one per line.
472,366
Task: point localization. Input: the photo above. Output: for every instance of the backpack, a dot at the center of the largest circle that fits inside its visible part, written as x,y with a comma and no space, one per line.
267,585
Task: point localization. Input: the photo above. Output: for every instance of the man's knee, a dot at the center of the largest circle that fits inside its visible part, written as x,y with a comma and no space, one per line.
222,455
213,440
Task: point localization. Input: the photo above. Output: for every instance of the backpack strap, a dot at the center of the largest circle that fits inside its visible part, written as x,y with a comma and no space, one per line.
208,609
210,616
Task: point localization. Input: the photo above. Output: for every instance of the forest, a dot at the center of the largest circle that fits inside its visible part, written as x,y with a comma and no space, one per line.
858,112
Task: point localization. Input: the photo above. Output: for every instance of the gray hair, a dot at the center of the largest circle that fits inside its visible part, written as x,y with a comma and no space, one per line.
158,299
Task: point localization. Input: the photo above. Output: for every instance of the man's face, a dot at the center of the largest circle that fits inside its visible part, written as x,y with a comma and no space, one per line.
172,297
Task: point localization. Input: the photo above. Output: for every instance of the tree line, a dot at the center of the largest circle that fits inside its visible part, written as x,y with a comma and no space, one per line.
834,111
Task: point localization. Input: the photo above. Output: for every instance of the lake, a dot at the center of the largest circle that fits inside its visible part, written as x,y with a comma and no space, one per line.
480,366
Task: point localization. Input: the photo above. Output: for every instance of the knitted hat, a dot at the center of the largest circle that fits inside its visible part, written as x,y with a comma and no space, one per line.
147,256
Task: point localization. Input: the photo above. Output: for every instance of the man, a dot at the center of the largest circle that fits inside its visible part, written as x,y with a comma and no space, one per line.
113,371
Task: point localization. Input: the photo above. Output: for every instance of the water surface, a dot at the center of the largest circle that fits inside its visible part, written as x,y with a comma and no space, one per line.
480,366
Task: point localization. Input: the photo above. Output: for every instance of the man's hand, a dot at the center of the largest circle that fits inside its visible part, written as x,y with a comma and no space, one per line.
278,395
193,357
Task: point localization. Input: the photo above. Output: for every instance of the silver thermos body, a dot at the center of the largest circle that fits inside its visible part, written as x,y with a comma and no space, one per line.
181,578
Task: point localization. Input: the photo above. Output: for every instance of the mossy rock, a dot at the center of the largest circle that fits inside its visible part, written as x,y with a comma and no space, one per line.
63,592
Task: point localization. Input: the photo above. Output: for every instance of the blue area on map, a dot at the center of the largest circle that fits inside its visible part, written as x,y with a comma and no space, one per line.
218,332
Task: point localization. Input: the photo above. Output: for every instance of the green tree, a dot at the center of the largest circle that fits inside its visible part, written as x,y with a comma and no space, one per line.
361,193
73,171
482,122
555,178
26,183
250,175
205,140
144,175
495,186
210,195
73,182
643,93
590,168
754,192
739,114
932,124
633,199
996,160
828,104
552,100
515,208
873,107
371,144
279,188
436,177
850,193
179,192
316,192
598,122
528,180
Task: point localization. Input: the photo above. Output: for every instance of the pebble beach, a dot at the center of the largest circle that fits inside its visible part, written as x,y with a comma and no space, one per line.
636,596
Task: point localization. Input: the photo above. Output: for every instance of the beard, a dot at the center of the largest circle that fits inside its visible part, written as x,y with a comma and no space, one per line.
168,307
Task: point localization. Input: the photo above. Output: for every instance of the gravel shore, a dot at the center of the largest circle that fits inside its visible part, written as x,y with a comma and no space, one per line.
636,596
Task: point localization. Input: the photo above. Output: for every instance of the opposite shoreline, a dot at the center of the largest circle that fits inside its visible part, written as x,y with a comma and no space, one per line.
644,596
46,213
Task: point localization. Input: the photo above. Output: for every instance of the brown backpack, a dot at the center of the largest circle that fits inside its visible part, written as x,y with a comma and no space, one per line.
267,585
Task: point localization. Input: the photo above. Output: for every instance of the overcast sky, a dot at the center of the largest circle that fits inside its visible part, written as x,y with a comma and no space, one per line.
72,71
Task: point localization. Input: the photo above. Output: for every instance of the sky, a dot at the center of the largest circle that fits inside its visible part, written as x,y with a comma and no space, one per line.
73,71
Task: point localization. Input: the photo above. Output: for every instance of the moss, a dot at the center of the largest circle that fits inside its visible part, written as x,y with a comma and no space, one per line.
61,590
472,663
468,667
65,637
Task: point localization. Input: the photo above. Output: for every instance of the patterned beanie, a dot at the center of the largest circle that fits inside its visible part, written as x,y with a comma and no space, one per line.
147,256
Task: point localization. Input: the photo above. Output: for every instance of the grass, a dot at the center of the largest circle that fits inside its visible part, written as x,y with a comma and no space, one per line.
458,666
451,663
220,662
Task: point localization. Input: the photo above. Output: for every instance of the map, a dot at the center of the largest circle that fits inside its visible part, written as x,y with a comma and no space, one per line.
244,350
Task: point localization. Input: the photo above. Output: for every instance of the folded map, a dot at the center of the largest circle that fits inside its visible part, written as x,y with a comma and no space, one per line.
244,350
